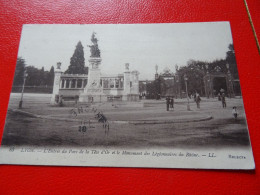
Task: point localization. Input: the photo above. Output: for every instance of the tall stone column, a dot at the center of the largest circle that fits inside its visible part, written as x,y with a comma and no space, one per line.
60,83
70,81
208,83
102,83
114,83
56,83
93,91
229,81
135,83
65,83
82,83
177,82
127,89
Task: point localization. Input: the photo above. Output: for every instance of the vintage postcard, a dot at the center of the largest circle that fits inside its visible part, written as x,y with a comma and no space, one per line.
127,95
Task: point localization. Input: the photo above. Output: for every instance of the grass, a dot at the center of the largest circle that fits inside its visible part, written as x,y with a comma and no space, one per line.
23,130
222,131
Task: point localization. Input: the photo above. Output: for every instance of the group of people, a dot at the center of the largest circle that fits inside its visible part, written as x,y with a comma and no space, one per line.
142,96
222,98
169,103
197,99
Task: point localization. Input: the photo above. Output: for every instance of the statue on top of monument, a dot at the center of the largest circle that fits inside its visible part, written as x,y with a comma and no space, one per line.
94,50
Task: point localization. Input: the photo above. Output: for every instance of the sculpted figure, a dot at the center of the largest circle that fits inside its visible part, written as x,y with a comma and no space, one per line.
94,50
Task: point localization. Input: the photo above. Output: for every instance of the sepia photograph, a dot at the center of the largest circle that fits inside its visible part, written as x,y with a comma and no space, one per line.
147,92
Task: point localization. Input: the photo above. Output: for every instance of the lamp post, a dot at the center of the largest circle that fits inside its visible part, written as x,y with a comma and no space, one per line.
177,81
229,87
230,84
209,87
177,86
158,92
24,78
186,79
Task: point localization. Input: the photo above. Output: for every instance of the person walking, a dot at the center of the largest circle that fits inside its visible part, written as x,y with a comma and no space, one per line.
61,100
198,99
234,112
171,102
223,100
167,103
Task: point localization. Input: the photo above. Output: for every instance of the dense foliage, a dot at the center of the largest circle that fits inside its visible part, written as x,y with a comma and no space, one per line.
34,76
77,61
19,72
194,71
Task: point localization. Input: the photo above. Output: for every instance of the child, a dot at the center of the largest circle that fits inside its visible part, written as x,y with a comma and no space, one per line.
234,112
198,100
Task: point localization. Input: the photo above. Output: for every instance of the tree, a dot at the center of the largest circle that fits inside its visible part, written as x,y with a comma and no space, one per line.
34,76
19,72
50,77
195,71
151,90
142,87
77,61
231,60
42,77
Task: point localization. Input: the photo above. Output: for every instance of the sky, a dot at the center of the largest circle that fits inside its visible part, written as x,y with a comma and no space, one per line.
143,46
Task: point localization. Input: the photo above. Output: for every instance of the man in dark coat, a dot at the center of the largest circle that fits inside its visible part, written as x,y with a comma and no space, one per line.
172,102
223,99
167,103
198,99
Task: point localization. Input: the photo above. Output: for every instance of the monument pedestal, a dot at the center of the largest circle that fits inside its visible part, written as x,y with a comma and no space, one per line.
92,98
93,92
56,85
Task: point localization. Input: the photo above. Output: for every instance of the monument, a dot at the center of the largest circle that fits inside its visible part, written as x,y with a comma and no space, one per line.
93,92
56,84
95,87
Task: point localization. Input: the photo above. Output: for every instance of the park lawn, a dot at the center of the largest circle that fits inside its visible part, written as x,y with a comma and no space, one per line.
222,131
23,130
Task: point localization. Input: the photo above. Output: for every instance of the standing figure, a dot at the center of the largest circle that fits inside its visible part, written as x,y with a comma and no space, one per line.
94,50
60,100
198,99
103,119
219,97
234,112
223,99
167,103
171,102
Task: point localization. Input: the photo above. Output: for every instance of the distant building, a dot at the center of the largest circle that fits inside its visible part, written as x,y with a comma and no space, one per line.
164,84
